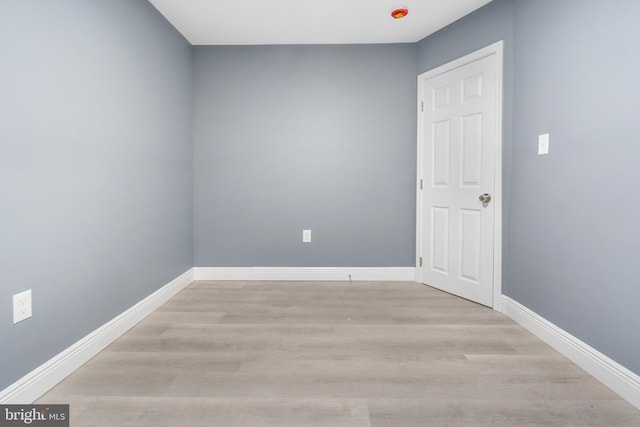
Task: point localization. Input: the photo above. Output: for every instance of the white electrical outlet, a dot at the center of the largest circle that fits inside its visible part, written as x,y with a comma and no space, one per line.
306,236
21,306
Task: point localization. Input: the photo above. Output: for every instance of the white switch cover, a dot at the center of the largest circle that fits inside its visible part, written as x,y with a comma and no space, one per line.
543,144
21,306
306,236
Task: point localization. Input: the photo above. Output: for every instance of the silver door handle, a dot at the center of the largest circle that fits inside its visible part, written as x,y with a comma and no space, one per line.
485,198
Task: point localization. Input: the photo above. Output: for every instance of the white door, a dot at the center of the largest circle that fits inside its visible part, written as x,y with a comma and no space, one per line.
459,134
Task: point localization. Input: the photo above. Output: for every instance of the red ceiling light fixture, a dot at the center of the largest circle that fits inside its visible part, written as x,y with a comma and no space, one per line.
399,13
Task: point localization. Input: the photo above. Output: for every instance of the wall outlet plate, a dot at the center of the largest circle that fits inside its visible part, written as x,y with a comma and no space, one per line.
306,236
21,306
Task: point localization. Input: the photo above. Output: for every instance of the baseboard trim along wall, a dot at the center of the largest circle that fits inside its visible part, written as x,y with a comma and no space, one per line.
610,373
36,383
391,274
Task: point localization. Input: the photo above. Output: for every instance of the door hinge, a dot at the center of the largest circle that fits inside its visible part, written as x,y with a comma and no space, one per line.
420,261
421,105
421,184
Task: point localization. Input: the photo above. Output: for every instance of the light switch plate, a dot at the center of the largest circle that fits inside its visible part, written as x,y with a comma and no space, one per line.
543,144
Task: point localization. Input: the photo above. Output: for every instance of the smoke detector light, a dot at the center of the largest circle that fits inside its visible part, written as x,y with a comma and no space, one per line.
400,13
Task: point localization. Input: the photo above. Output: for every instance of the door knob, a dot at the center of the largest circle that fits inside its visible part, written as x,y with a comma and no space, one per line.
485,198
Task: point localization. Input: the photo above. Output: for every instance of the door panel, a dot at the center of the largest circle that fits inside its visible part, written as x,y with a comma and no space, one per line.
459,138
470,258
441,150
471,156
440,240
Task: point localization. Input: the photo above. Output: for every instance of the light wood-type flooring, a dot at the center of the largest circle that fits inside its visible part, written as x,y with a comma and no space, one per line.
332,354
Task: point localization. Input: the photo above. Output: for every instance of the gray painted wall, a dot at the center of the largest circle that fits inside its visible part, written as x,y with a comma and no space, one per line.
95,167
571,226
293,137
492,23
574,253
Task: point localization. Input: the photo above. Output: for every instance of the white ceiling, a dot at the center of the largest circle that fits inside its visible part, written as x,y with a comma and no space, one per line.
250,22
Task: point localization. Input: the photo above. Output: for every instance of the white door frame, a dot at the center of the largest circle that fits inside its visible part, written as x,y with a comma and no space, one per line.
494,49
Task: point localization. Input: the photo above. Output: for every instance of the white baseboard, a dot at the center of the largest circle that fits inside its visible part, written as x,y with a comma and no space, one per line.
36,383
610,373
392,274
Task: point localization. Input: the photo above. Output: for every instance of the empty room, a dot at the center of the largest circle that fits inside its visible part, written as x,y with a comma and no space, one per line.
319,213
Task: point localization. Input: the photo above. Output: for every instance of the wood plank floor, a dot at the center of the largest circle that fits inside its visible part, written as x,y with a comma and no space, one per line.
332,354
